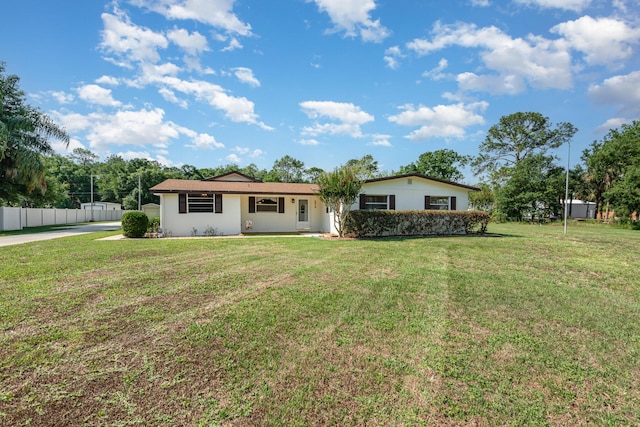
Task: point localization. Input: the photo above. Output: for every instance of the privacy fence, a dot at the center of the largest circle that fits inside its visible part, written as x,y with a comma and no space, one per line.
19,218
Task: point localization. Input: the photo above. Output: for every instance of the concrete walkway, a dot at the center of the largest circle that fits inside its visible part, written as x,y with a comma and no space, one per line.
72,230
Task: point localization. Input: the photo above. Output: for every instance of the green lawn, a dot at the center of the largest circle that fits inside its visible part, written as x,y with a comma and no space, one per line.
526,327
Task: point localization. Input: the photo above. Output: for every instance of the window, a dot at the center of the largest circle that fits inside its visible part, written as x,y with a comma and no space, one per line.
200,203
266,204
439,203
377,201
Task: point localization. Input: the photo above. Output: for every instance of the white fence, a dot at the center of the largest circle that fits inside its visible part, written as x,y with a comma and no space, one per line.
19,218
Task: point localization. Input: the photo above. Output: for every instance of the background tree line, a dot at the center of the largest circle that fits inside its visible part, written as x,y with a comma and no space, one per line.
516,170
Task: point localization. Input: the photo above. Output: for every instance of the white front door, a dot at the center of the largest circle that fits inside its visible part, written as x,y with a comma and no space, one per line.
302,219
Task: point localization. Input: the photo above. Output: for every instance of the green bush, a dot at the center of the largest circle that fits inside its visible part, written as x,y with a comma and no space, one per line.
134,224
154,223
378,223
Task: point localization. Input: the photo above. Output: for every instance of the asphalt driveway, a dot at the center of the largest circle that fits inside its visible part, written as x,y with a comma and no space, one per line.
72,230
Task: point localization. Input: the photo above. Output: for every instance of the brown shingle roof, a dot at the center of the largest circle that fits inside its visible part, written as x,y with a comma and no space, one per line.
232,187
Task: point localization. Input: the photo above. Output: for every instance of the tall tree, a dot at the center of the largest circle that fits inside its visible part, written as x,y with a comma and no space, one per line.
365,167
516,137
442,164
24,137
287,169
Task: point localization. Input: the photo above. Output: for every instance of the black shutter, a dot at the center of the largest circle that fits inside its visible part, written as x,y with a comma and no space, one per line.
453,203
363,202
252,204
427,202
392,202
218,202
182,203
280,204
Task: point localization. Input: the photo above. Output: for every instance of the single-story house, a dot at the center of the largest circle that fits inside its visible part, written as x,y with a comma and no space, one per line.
235,203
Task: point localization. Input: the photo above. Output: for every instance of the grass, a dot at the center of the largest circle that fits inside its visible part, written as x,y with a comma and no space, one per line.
529,328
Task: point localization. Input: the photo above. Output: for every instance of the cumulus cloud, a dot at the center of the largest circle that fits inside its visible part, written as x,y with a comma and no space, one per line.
203,141
233,158
622,91
98,95
575,5
601,40
441,121
309,141
145,127
542,63
108,80
217,13
127,41
245,75
379,140
62,97
349,118
392,56
193,44
354,18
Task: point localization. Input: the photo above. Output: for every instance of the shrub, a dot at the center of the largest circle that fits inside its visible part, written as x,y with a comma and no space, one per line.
154,223
134,224
377,223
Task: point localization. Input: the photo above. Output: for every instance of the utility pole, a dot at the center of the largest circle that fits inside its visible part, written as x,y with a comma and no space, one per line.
139,193
566,190
91,198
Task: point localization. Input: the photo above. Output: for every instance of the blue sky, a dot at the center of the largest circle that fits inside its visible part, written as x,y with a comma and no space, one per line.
213,82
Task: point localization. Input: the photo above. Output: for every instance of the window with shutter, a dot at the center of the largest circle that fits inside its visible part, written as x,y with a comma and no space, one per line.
218,202
182,203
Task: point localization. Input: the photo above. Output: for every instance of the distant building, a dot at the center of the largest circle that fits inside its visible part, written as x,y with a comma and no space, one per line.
580,209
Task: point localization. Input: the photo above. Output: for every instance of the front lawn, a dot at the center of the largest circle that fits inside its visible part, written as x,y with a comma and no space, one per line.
526,328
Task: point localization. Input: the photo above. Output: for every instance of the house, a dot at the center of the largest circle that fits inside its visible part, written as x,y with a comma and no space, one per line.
235,203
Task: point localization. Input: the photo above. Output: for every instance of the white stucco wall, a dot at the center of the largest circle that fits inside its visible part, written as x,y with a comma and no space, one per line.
411,196
225,223
273,222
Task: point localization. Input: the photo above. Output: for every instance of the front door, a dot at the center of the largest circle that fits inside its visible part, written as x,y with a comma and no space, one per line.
302,222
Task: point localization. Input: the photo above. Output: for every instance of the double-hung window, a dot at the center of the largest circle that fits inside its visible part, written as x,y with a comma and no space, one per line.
377,201
266,204
440,203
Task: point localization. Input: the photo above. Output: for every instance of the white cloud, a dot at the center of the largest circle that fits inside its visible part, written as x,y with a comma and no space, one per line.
480,3
613,123
233,158
60,147
575,5
354,18
217,13
204,141
234,44
602,40
623,91
237,109
108,80
349,117
194,43
436,73
62,97
137,128
444,121
95,94
245,75
129,155
170,96
309,141
391,56
130,42
380,140
256,153
542,63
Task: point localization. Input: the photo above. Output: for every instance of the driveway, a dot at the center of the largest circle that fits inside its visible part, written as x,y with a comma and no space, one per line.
72,230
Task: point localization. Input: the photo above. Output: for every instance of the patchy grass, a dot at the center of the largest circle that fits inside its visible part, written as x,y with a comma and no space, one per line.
530,328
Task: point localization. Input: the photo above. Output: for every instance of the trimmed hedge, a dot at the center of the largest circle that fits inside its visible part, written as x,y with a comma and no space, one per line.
382,223
134,224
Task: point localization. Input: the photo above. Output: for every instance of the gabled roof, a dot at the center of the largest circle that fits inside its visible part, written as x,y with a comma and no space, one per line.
232,176
233,187
419,175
